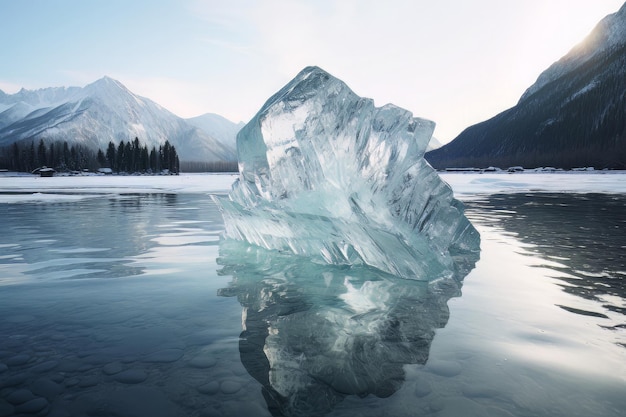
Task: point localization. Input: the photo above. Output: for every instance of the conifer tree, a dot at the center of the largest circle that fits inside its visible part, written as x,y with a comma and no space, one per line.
119,157
41,154
15,153
110,155
154,160
66,154
52,156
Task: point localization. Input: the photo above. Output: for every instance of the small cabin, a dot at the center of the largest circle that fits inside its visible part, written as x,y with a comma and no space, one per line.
44,171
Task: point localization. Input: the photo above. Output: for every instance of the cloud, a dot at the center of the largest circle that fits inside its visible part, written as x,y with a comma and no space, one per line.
454,62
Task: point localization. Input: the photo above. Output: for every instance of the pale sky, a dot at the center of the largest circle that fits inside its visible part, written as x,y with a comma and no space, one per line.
456,62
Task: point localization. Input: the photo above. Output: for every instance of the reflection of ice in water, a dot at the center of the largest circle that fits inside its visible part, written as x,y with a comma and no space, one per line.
315,334
370,296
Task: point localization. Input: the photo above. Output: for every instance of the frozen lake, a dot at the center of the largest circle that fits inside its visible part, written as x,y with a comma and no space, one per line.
117,298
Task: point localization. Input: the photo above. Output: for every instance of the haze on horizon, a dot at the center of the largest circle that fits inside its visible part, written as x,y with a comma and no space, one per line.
454,62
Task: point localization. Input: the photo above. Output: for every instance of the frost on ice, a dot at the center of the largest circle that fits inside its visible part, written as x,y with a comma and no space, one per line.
325,174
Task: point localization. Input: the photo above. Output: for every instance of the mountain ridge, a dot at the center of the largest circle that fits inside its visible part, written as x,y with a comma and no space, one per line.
218,126
573,115
101,112
609,32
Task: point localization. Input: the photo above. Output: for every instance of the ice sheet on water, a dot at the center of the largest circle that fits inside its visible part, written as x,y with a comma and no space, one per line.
326,174
32,189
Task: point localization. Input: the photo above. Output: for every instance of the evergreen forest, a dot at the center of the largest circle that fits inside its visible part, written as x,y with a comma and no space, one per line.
127,157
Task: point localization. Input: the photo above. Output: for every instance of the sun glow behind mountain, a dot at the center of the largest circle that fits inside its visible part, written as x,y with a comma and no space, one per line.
454,62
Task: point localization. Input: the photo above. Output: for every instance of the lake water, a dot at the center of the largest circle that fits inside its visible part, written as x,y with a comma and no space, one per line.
119,299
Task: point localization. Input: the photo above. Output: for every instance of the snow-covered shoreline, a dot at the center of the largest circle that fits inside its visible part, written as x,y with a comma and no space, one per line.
30,188
470,185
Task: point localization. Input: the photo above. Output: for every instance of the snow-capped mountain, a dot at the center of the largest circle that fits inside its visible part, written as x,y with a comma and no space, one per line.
218,127
101,112
609,33
573,115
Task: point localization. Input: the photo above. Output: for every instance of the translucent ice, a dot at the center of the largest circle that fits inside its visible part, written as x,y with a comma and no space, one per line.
316,334
327,175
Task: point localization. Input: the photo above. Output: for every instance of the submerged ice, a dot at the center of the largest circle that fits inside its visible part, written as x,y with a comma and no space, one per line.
325,174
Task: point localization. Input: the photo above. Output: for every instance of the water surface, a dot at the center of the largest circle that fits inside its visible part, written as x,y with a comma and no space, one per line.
129,305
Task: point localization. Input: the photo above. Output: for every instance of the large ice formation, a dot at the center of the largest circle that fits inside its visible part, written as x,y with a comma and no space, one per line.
325,174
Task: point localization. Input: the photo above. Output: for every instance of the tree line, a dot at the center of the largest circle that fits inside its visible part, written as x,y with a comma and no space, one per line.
25,157
131,157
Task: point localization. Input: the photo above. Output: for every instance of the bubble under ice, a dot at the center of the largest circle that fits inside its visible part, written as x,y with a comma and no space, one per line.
325,174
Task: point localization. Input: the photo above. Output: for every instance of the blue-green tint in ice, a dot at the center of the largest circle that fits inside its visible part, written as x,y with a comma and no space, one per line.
316,334
327,175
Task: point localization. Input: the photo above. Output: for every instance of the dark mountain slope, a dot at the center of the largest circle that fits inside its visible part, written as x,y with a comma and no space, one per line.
575,115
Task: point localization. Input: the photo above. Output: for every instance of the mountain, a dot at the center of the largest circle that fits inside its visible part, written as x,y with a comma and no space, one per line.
433,144
218,127
573,115
101,112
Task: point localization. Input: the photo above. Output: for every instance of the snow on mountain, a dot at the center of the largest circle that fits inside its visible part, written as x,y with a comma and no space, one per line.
609,33
219,127
103,111
14,107
573,116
